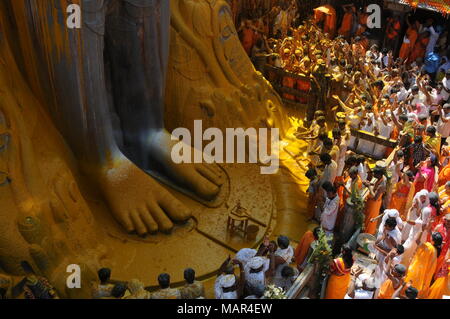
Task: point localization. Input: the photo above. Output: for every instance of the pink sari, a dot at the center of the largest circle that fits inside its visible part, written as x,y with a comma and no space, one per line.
428,183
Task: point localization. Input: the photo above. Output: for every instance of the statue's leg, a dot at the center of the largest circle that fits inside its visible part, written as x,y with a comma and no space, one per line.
76,65
137,41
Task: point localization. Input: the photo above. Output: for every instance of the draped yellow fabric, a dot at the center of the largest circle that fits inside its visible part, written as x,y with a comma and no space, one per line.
439,288
386,290
422,268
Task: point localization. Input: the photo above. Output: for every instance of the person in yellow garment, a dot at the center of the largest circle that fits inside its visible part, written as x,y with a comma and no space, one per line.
441,287
423,266
340,277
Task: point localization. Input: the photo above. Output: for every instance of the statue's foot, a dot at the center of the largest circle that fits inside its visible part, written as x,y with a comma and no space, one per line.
202,179
137,201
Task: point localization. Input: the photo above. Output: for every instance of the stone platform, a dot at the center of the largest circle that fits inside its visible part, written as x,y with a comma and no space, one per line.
202,244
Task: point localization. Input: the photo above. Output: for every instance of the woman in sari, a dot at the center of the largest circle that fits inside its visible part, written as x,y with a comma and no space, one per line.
441,286
422,268
340,277
425,176
402,191
374,199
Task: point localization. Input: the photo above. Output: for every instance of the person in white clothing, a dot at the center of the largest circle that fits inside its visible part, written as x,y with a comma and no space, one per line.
420,201
330,209
443,125
367,124
411,242
446,86
255,274
386,241
434,36
330,171
384,128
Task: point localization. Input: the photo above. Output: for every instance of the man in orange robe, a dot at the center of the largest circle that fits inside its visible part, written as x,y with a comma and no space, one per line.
347,22
327,15
408,43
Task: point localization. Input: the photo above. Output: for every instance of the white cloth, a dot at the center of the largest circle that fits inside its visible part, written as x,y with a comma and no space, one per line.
446,85
384,131
380,270
434,36
361,294
256,281
287,255
329,213
410,244
354,121
219,294
329,173
419,98
402,94
391,213
443,128
341,157
245,254
365,146
415,212
362,172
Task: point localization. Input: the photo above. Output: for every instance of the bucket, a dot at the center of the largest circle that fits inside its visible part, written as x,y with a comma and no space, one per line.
252,231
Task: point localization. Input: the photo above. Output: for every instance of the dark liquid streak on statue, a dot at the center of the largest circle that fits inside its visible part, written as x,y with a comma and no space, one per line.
130,37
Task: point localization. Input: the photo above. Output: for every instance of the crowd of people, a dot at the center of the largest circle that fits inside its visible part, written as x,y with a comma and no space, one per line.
397,184
405,197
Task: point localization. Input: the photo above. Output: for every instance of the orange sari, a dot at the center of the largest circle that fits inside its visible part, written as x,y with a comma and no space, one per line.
406,48
386,290
440,287
422,268
339,280
400,197
303,246
372,210
444,175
